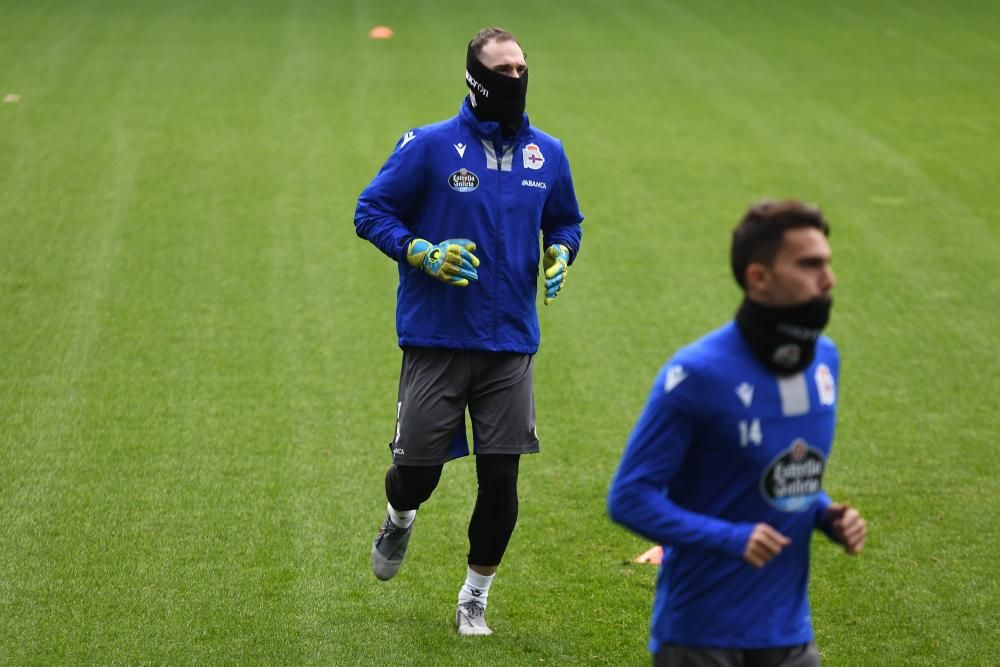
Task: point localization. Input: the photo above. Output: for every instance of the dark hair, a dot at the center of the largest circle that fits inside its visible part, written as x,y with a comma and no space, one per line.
758,237
486,34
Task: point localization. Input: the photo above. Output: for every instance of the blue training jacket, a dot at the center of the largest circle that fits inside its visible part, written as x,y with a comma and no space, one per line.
457,179
723,444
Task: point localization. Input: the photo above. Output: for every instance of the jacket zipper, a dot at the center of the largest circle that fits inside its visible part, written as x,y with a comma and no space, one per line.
500,275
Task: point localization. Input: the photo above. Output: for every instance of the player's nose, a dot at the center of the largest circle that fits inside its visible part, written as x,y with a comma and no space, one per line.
828,280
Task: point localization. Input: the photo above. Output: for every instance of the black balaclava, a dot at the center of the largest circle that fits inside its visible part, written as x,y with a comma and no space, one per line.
784,338
496,96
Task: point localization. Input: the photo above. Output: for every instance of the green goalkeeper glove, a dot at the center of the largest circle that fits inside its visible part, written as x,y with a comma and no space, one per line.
556,265
450,261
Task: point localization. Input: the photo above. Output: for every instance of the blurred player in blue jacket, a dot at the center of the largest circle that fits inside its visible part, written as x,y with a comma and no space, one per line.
465,207
725,465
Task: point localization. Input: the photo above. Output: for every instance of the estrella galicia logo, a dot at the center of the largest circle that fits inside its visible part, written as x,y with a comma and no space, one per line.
795,477
463,180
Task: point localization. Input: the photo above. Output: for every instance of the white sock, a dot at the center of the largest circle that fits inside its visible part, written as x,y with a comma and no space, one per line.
476,587
401,519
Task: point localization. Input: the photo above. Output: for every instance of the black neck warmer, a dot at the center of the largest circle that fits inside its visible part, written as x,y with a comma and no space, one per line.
784,339
495,96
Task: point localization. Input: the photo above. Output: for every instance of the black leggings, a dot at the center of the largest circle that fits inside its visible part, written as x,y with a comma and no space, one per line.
495,514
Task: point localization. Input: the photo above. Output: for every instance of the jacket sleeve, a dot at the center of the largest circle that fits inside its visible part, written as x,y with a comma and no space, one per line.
638,498
823,522
561,215
386,204
824,501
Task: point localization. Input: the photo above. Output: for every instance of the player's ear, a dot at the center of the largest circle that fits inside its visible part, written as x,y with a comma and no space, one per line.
758,277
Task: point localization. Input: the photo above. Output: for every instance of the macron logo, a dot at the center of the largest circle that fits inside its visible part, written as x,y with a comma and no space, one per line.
478,87
745,392
407,138
675,375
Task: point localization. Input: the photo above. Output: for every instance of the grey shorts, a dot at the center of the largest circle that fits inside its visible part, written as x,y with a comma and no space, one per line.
435,388
671,655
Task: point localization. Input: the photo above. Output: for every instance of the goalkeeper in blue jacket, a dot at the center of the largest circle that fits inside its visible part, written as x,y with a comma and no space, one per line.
725,465
470,208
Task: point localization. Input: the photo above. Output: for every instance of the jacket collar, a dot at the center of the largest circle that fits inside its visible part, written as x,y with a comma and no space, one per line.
489,129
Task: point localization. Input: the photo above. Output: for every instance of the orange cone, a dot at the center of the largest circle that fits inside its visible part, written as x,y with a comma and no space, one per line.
381,32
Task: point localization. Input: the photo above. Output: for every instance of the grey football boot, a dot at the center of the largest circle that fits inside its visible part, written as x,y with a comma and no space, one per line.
389,548
470,617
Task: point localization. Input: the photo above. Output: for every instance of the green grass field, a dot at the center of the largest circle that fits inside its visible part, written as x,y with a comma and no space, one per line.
197,355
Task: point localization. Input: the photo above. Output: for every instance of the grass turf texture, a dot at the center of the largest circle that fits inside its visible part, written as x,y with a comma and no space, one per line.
198,364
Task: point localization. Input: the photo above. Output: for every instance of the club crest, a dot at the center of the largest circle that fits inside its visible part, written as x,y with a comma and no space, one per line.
532,156
825,386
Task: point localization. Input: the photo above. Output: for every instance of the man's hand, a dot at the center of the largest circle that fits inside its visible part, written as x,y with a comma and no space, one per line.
848,527
764,544
556,265
450,261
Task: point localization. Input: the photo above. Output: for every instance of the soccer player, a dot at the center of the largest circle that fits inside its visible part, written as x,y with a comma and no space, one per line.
725,465
460,206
